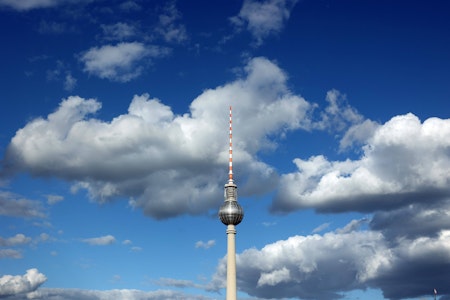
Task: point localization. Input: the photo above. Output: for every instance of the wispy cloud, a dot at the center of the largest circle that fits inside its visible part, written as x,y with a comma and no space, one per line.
10,253
47,293
53,199
18,239
100,241
119,31
169,26
321,227
205,245
16,206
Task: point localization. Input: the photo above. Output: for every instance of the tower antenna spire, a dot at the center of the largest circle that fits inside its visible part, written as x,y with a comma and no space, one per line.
230,163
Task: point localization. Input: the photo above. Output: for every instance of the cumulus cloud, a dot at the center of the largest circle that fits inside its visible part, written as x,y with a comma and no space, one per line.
404,162
100,241
120,62
263,18
16,285
330,265
306,267
142,153
402,177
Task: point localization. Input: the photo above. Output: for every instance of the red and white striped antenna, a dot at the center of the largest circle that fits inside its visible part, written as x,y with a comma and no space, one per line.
230,164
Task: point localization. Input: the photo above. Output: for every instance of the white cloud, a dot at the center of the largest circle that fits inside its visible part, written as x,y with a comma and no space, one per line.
18,239
16,285
168,26
404,162
274,277
140,154
100,241
263,18
121,62
205,245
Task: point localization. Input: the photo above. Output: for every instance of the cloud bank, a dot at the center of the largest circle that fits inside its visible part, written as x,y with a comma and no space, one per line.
165,164
328,266
404,162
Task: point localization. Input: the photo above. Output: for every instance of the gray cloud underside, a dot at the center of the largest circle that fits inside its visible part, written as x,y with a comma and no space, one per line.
327,266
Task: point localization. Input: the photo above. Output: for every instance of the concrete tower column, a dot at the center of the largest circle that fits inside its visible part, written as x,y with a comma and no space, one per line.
231,263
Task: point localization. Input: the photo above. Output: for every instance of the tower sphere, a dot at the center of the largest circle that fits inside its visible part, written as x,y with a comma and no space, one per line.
231,213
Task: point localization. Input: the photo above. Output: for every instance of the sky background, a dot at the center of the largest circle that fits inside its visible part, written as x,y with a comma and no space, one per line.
114,148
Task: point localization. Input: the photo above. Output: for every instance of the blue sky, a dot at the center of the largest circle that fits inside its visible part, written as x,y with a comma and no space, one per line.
114,148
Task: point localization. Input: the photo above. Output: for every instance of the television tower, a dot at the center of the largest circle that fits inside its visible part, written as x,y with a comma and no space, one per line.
231,214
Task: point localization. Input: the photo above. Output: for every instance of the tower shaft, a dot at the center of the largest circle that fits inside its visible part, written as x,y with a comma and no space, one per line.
231,263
